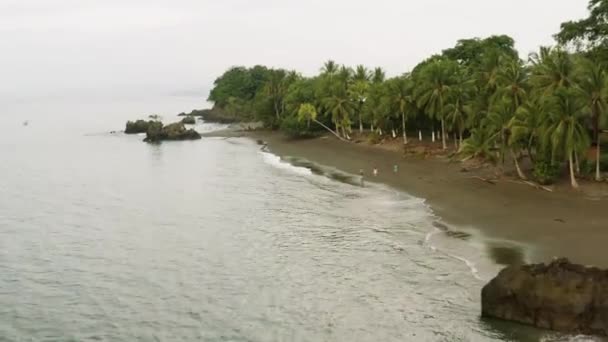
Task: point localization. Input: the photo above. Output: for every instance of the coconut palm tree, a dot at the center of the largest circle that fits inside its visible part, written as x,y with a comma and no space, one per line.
512,82
526,125
592,82
361,74
564,131
378,76
330,68
478,145
436,79
459,107
358,92
552,69
340,107
497,122
401,97
308,113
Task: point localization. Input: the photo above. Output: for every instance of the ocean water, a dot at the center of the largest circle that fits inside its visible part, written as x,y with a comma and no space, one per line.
104,237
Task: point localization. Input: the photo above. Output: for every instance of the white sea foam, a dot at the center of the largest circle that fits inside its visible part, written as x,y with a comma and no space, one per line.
276,161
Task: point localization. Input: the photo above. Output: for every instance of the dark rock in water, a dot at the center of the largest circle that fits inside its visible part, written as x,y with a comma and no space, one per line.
174,131
139,126
189,120
560,296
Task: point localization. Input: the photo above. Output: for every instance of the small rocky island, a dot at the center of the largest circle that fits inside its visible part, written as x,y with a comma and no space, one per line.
157,132
559,296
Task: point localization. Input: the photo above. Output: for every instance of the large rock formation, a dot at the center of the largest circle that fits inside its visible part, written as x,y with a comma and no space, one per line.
175,131
139,126
560,296
189,120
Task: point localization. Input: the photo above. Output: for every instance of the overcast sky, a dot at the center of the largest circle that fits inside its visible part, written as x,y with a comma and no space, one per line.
183,45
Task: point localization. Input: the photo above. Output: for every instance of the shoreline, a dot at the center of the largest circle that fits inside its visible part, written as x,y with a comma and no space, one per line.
554,224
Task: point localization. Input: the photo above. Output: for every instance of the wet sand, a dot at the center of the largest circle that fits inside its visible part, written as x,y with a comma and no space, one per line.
563,223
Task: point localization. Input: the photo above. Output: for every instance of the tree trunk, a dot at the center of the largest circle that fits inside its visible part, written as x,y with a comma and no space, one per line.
598,176
577,164
403,124
460,138
329,129
419,135
572,177
445,146
456,142
433,136
360,123
520,173
372,128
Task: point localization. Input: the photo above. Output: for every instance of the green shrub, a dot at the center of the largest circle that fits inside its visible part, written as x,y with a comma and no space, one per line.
296,129
604,162
546,172
374,138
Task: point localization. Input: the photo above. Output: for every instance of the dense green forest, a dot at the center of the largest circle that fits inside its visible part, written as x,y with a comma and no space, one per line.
479,97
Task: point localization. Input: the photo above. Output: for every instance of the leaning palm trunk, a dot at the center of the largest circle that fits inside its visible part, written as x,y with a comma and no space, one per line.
329,129
445,146
403,124
572,177
520,173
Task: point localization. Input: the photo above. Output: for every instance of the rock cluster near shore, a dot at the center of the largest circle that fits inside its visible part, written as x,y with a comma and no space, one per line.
139,126
156,131
174,131
212,115
559,296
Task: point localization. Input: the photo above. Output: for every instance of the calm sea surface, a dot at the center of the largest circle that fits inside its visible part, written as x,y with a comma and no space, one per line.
104,237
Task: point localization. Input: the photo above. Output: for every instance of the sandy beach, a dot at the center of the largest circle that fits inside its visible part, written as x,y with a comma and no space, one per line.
563,223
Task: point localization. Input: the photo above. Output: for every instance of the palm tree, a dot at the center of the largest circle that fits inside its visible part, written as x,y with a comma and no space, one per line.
458,109
512,80
378,75
552,69
358,92
478,145
308,112
526,124
564,131
436,78
340,107
498,123
592,83
361,74
330,68
401,97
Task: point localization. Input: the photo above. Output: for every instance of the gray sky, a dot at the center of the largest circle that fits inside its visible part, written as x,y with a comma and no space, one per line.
50,46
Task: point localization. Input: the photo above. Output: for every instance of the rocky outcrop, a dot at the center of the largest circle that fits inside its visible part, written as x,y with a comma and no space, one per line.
174,131
189,120
560,296
139,126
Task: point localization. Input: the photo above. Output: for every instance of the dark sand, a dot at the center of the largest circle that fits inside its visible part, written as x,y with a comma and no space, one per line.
563,223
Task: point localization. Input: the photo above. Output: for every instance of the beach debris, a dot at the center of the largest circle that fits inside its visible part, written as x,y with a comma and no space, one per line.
559,296
532,184
487,180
